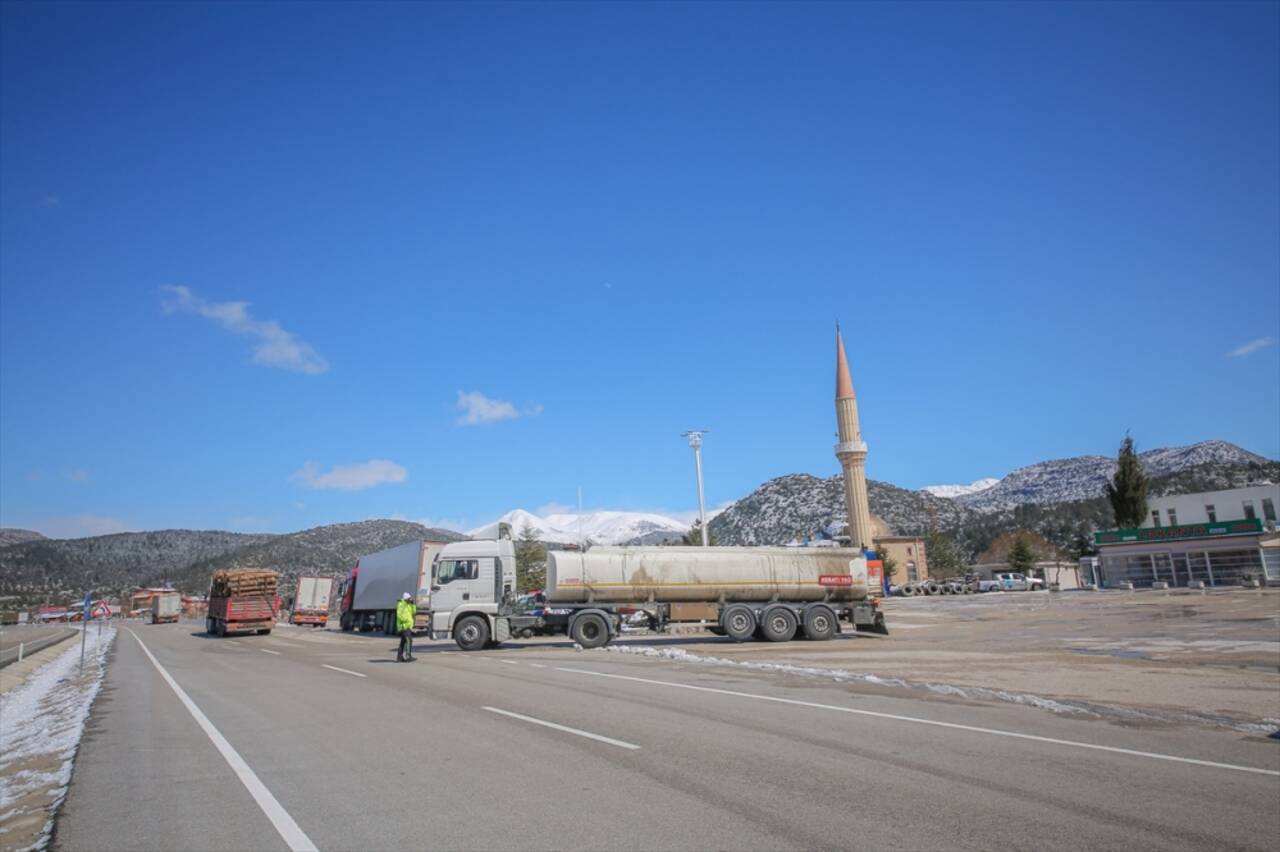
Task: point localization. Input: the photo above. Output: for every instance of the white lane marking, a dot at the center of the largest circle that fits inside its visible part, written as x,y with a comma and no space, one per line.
509,662
565,728
269,651
1114,749
538,665
344,671
233,642
293,836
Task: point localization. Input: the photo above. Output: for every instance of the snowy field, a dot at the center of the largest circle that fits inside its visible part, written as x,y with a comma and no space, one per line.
41,723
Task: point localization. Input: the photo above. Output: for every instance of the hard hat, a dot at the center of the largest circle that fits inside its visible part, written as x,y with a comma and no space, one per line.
406,596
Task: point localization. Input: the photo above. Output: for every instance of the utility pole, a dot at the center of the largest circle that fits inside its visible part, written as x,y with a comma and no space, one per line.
695,441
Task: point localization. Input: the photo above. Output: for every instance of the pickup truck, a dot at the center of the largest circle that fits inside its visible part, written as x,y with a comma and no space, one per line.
1012,582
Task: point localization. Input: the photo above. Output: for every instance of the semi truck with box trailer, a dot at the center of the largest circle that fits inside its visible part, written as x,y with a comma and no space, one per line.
166,607
378,580
311,601
773,593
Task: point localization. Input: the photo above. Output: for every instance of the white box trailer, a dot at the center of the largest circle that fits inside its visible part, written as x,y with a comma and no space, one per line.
378,581
311,602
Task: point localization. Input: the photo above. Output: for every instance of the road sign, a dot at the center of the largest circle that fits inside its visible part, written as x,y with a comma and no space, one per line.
101,610
88,602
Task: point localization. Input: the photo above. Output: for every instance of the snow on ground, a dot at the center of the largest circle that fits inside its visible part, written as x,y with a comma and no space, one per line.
1266,727
41,723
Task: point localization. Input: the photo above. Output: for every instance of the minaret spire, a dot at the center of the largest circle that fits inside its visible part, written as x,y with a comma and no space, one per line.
852,452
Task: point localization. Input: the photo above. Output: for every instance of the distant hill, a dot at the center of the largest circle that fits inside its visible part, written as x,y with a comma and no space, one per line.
63,568
11,535
1044,498
1083,477
327,551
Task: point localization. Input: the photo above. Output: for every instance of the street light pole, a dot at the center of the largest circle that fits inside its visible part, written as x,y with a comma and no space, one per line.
695,441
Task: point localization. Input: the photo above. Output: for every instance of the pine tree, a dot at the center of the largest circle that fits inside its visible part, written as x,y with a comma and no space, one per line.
1127,491
694,537
1021,557
531,561
944,558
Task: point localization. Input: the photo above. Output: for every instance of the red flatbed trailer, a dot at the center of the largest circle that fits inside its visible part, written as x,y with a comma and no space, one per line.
251,613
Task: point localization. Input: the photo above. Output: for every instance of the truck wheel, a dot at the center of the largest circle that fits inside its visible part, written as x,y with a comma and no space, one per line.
819,623
472,633
778,624
590,631
739,622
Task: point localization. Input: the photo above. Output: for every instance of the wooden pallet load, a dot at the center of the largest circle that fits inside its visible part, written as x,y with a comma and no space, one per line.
234,582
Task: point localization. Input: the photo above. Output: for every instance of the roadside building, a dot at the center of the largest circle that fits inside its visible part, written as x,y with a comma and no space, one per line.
1217,537
911,563
1051,564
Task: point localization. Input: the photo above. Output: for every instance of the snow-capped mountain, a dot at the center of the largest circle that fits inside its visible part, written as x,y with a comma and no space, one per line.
601,527
960,490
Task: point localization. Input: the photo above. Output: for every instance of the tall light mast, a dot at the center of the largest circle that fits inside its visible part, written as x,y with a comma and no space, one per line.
695,441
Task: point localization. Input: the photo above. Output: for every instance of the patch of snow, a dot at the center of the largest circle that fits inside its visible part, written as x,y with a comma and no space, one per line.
959,490
44,718
1265,727
600,527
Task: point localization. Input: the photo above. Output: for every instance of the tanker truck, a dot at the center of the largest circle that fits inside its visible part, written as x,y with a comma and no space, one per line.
773,593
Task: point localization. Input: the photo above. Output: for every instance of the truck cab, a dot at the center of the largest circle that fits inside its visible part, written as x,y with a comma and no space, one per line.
475,578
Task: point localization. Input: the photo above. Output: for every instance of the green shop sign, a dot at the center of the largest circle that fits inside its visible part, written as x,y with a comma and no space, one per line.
1182,531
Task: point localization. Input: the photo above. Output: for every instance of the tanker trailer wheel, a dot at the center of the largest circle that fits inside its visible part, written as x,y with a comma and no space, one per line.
819,623
778,625
739,622
472,633
590,631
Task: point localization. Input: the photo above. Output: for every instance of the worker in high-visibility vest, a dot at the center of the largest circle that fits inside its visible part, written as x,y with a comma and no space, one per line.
405,612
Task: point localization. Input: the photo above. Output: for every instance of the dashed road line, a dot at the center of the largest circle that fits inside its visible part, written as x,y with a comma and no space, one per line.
289,830
932,722
269,651
344,671
565,728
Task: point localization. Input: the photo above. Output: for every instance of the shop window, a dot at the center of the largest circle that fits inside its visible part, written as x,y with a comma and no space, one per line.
1249,514
1268,509
911,572
1155,517
1211,512
1173,517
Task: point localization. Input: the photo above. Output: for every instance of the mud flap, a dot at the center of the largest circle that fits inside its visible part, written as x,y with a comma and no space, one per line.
877,625
501,629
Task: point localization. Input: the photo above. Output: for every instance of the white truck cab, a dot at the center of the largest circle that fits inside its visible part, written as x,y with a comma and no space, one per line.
471,578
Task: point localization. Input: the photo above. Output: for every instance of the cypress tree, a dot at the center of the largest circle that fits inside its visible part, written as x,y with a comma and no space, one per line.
1127,491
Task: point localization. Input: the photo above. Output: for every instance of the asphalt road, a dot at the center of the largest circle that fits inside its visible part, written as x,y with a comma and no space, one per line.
354,751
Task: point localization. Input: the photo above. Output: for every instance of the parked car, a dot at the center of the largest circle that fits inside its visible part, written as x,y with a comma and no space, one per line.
1013,582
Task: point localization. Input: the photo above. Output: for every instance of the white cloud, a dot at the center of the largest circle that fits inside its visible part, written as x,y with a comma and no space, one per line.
477,408
1251,347
78,475
275,347
80,526
350,477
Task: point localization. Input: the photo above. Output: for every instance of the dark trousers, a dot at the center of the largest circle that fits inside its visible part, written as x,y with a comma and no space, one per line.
406,645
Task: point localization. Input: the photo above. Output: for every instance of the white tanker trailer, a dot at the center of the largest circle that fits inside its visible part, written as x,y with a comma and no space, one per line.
773,593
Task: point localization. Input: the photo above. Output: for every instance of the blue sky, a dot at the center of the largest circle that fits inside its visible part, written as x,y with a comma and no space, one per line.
264,267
